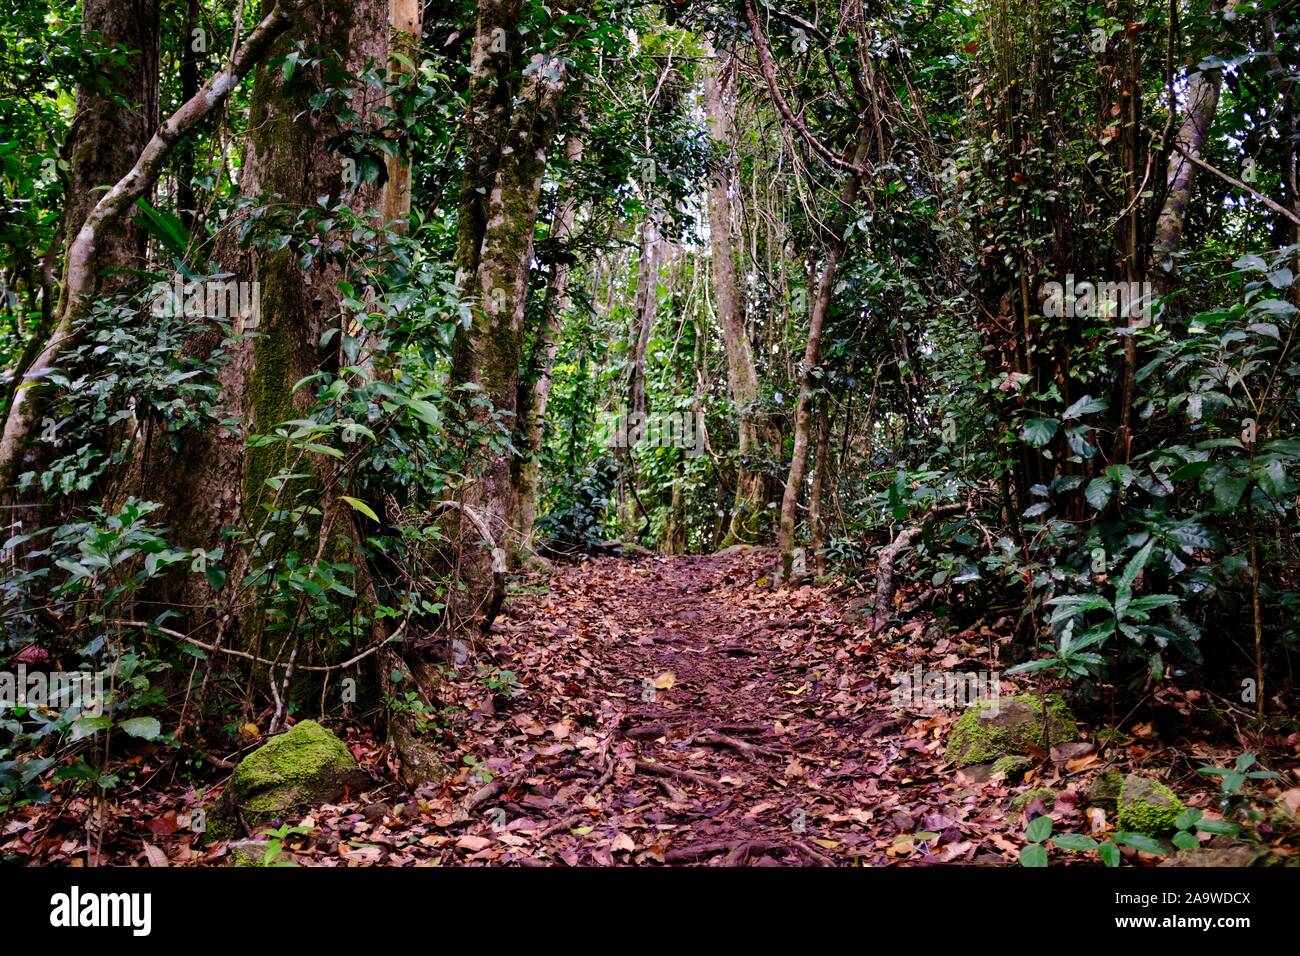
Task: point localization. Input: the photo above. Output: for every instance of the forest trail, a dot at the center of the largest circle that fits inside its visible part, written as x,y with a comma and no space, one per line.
679,710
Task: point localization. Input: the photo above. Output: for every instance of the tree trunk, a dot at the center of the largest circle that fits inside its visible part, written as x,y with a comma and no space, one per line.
644,310
405,17
105,219
214,480
816,523
818,306
635,406
506,157
537,394
756,439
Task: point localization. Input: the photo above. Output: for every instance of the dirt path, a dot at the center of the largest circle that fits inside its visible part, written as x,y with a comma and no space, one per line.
663,711
678,711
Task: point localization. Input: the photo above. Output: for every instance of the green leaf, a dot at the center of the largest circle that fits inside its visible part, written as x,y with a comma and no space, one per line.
1135,566
1219,827
146,728
1099,492
84,727
1033,855
1139,841
1185,841
1187,818
361,506
1039,829
1074,841
1228,490
1109,853
1084,406
1039,431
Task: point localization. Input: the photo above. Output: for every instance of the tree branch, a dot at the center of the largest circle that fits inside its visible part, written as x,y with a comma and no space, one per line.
768,67
1271,204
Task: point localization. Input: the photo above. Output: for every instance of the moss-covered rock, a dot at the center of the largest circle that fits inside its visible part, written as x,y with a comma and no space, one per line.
1105,789
247,853
1022,800
998,728
305,766
1148,806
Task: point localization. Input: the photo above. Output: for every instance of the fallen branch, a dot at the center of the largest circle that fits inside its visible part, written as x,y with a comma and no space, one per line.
713,739
319,669
889,555
663,770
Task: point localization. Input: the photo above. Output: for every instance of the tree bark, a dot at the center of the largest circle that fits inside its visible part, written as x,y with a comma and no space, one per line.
816,522
215,480
83,257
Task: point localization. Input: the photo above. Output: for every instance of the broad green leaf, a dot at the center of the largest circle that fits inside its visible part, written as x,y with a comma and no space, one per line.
1074,841
146,728
1039,431
1039,829
361,506
1034,855
1139,841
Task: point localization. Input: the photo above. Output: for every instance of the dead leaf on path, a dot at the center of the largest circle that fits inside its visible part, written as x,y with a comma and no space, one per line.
1064,753
473,843
529,724
1291,800
665,681
156,856
1080,763
623,842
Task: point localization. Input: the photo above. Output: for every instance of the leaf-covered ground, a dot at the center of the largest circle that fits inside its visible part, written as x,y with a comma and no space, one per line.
667,711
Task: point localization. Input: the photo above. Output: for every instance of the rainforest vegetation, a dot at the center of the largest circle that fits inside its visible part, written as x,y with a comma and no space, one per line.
626,432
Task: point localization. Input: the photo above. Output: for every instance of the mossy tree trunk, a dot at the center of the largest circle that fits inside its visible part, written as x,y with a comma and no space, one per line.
105,220
535,390
216,481
513,117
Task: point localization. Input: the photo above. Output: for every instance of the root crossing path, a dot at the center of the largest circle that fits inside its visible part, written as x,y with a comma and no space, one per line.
679,711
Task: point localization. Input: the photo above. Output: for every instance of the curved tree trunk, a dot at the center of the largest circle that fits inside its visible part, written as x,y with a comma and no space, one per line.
102,222
104,143
818,306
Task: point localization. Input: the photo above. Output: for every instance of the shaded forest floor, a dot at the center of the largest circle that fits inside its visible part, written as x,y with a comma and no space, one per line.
669,711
